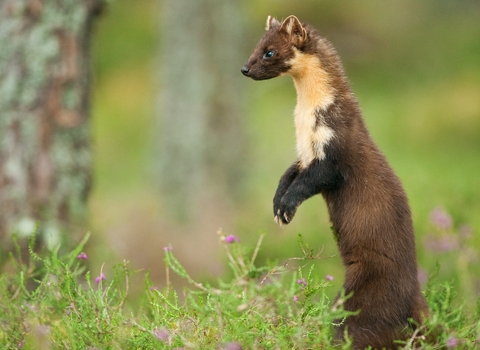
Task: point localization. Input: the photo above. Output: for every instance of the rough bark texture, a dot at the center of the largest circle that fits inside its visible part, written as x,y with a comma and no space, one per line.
200,113
45,159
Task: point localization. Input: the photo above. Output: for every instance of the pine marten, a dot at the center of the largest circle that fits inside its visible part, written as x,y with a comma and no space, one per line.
367,205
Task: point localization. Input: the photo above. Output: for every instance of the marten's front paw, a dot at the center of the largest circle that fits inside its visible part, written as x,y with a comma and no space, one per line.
285,213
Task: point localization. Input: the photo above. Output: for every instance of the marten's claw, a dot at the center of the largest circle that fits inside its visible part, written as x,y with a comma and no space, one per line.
283,217
277,219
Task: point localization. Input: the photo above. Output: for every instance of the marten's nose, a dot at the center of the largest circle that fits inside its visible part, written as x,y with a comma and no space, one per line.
245,70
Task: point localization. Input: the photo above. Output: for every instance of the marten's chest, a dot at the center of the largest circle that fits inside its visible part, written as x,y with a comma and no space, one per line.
312,134
314,95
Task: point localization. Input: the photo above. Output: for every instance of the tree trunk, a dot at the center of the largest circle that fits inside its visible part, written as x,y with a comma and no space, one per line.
201,130
45,158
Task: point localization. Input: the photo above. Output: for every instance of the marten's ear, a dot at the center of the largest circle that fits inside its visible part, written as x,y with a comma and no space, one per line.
292,26
271,22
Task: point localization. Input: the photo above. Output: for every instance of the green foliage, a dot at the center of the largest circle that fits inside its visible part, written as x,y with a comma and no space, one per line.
51,302
448,324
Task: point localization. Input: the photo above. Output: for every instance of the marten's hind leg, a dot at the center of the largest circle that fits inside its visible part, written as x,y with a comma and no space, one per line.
385,304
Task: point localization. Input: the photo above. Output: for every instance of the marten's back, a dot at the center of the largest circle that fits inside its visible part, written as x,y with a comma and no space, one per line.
370,207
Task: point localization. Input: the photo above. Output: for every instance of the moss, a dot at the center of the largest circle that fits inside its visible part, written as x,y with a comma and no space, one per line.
30,47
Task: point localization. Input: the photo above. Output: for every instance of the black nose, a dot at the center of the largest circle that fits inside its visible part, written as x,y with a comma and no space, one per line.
245,70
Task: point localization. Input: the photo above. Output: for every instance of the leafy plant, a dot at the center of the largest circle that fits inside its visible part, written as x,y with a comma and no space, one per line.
50,302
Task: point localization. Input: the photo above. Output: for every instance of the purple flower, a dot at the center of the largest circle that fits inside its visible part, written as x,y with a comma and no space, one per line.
329,278
69,308
295,298
303,282
100,278
231,239
232,346
441,219
161,334
82,255
167,249
452,342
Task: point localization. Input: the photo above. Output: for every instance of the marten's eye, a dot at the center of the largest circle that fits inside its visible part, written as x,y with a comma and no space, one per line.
269,54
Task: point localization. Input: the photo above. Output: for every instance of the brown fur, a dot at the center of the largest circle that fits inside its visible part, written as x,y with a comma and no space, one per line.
336,157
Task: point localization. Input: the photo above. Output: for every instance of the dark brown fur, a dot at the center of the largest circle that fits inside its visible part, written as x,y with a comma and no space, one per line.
367,205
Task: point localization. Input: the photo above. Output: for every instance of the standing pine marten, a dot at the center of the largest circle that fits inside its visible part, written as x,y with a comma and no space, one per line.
368,207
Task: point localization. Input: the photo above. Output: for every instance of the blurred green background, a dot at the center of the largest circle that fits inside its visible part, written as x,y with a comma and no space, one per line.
415,67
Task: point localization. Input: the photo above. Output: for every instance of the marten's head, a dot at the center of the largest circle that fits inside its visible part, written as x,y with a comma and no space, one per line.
275,49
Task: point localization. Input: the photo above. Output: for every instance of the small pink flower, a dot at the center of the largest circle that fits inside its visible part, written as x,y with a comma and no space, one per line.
329,278
82,255
100,278
69,308
441,219
161,334
232,346
295,298
452,342
167,249
302,281
231,239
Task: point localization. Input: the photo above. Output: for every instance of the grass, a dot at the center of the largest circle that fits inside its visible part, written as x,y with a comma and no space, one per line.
51,301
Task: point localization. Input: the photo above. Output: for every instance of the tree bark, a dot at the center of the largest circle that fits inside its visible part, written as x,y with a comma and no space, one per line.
201,144
45,157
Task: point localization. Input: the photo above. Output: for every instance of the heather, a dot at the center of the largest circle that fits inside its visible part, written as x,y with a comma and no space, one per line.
52,301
